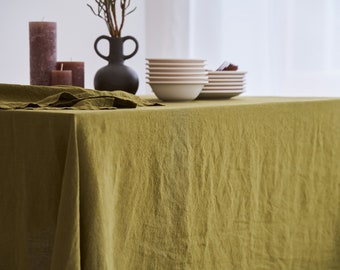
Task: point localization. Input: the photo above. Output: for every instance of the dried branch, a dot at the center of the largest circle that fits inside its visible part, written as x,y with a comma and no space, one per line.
130,11
122,7
107,11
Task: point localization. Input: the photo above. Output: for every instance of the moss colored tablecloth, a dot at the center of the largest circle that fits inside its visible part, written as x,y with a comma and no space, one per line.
246,183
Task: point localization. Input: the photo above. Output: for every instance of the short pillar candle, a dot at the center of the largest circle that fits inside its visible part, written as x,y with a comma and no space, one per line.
43,51
61,77
77,71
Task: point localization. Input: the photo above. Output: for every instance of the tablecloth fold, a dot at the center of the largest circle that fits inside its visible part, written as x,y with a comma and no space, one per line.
15,96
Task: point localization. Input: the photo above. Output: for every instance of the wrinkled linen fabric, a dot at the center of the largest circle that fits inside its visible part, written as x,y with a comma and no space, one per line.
246,183
14,96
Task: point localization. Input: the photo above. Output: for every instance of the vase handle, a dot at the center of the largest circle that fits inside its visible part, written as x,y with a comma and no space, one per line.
136,47
96,46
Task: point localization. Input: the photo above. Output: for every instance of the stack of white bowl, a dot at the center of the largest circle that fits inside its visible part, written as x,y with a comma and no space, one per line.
176,79
224,84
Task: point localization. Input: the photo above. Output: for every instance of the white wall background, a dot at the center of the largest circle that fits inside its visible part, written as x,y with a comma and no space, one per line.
288,47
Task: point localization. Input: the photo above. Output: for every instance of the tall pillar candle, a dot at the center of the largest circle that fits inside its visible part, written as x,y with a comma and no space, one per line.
77,71
43,51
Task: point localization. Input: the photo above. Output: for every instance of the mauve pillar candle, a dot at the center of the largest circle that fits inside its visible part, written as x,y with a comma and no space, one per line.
43,51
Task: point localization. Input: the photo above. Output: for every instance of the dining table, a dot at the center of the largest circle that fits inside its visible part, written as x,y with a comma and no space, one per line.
250,182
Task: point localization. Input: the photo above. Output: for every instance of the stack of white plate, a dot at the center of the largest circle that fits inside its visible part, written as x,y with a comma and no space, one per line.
176,79
224,84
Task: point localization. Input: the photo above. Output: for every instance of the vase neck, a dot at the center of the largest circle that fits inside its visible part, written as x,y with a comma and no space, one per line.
116,51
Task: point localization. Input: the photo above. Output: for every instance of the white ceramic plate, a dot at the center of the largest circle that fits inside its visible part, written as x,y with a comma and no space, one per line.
174,60
222,88
226,80
177,82
174,74
218,94
189,78
163,64
226,73
225,84
231,77
175,69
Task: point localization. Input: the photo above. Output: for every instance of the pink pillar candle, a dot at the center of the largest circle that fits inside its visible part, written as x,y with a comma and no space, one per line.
43,51
61,77
77,71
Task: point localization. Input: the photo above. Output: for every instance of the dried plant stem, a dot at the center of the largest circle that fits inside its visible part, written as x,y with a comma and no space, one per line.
107,10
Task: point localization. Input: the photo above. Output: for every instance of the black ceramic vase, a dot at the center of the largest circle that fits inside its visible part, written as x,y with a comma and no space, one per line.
115,75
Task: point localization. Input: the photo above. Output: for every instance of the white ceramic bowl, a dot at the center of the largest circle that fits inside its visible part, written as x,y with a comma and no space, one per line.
177,92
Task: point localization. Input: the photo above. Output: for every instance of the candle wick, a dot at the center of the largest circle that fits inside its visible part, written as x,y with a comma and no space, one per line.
62,67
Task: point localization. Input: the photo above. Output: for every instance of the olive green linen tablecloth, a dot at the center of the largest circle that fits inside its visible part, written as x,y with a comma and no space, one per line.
246,183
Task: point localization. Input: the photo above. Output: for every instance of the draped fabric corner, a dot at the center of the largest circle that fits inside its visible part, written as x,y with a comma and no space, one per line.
14,96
